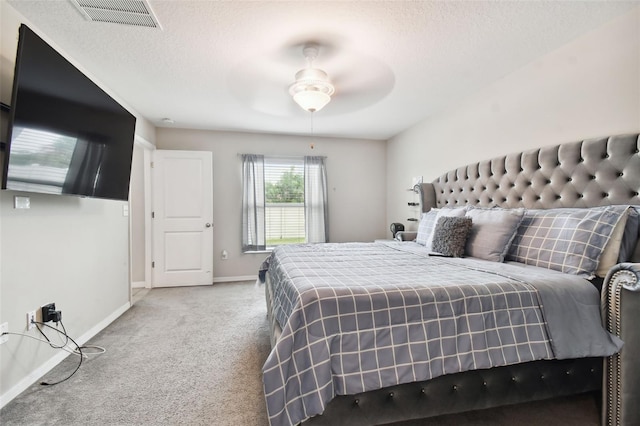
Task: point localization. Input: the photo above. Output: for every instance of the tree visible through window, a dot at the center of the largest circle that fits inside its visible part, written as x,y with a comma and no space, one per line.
288,189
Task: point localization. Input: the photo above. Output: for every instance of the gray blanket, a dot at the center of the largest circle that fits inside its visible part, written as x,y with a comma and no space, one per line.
358,317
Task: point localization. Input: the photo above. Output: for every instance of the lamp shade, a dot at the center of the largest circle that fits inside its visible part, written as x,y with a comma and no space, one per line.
311,100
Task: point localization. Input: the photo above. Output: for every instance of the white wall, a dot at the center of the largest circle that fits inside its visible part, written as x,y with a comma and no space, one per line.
67,250
588,88
355,172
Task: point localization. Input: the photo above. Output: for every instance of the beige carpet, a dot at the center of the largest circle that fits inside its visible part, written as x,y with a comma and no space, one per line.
193,356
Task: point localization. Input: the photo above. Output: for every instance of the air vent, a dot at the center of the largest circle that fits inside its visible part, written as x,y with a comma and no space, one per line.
137,13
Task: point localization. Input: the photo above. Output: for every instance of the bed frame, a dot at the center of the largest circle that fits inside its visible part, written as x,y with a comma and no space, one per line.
588,173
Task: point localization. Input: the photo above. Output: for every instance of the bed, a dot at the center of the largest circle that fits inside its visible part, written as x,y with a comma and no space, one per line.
394,335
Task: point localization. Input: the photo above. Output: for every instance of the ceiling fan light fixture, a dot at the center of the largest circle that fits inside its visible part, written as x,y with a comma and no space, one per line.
312,89
311,100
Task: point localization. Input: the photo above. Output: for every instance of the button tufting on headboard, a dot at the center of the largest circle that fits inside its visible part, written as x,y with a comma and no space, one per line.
588,173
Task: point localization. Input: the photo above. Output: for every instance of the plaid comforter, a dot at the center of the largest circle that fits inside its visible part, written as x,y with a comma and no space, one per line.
357,317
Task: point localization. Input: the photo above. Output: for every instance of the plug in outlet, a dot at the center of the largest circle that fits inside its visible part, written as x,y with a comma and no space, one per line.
48,311
31,319
4,328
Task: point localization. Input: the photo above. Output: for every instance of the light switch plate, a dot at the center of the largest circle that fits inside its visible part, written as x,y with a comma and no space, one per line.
20,202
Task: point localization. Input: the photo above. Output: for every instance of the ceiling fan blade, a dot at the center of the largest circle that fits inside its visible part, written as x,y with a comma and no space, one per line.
262,82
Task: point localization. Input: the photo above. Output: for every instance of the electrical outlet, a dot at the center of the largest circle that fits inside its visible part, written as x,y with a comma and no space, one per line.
31,319
4,328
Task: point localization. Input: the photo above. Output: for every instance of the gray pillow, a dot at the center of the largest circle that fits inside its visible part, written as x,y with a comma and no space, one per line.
492,232
428,222
631,235
611,251
446,212
450,235
566,240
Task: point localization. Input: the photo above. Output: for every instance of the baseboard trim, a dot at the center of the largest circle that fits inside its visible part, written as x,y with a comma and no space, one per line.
138,284
36,374
238,278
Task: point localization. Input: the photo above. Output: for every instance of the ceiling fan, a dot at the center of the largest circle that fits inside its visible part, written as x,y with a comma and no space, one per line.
312,89
350,80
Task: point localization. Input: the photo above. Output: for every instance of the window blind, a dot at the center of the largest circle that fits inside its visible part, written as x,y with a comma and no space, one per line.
284,200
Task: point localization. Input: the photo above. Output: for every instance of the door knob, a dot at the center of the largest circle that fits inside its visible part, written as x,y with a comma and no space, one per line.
208,225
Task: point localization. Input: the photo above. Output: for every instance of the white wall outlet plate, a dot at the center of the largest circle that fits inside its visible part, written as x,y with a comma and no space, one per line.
31,319
4,328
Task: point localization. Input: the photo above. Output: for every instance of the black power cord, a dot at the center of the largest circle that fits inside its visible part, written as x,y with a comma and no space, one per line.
64,333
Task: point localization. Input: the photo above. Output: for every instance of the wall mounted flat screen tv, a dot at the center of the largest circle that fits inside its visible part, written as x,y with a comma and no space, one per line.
66,135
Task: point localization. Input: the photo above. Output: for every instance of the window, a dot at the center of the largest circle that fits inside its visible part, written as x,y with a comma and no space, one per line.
284,201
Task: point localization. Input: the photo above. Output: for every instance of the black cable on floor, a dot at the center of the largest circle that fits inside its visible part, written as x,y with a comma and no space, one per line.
78,348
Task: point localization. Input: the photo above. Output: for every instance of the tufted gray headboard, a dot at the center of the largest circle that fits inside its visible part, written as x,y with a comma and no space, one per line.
587,173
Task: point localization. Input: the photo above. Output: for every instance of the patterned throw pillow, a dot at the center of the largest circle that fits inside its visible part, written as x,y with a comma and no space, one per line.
566,240
450,235
425,228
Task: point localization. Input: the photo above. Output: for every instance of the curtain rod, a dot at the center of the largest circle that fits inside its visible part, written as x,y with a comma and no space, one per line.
283,156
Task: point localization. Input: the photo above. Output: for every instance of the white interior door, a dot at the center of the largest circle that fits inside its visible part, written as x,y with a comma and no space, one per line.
182,218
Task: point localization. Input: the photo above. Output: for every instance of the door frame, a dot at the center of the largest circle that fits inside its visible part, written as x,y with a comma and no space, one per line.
147,148
148,238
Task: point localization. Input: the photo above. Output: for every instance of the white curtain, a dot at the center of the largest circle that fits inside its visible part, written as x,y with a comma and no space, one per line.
315,200
253,203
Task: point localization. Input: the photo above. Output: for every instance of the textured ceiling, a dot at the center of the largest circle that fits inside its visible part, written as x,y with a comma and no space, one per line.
227,65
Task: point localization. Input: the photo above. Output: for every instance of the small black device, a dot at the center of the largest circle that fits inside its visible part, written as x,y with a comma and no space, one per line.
395,228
